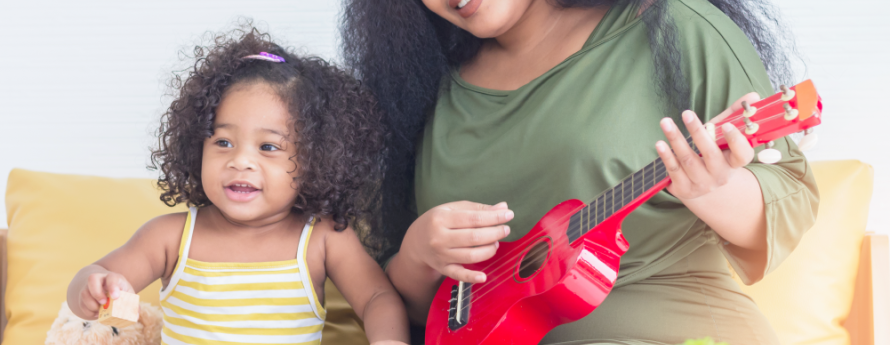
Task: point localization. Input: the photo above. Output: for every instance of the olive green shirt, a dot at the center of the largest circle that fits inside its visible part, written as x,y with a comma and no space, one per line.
591,121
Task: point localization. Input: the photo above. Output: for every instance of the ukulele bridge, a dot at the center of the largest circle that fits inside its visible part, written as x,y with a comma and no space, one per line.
459,309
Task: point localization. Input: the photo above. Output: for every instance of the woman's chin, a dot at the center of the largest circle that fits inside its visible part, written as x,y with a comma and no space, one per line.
494,18
487,28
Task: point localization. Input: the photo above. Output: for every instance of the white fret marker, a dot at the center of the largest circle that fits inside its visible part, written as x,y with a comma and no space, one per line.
460,301
712,131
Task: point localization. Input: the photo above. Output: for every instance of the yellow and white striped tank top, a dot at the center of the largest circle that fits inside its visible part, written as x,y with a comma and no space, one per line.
241,303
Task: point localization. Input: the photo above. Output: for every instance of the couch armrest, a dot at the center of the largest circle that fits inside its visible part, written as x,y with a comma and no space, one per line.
3,264
871,299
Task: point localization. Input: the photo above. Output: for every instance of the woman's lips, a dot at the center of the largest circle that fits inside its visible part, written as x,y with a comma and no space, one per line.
468,10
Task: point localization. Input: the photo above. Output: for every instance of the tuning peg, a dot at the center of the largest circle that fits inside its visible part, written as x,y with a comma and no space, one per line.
790,113
769,155
749,110
787,94
751,127
712,131
809,140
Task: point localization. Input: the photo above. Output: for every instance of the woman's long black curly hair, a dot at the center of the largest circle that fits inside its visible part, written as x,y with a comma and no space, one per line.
401,50
340,137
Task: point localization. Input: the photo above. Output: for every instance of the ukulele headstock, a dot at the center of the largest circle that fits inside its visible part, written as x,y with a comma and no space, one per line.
795,109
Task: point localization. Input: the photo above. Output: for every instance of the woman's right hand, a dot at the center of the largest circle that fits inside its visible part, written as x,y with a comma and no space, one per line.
99,287
450,235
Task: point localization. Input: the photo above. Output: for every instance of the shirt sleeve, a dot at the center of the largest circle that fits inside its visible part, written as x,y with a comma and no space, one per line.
790,201
721,66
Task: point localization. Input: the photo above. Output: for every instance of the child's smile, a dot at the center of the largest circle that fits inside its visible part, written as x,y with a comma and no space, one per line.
241,191
248,164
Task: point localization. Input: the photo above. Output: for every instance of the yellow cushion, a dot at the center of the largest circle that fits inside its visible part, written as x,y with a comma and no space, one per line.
57,225
60,223
341,325
808,297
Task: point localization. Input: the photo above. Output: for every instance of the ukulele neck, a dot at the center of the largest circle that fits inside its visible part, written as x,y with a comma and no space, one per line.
640,184
795,109
616,198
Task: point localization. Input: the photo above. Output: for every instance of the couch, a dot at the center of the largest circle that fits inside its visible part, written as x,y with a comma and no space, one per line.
834,289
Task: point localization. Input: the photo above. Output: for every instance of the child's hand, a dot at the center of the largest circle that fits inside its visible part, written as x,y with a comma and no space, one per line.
99,287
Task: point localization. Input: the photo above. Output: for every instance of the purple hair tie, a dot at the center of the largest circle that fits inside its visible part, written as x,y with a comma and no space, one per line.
266,57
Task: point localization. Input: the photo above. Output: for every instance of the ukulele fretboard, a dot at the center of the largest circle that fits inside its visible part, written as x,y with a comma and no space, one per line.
613,199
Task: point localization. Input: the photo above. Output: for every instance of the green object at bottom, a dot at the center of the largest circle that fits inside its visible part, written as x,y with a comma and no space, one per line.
703,341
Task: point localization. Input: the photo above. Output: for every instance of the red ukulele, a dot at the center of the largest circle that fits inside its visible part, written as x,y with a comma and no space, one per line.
567,264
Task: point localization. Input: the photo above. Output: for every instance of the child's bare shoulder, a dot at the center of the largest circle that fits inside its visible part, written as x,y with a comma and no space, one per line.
335,239
327,234
327,226
171,222
165,229
331,248
156,242
165,232
323,224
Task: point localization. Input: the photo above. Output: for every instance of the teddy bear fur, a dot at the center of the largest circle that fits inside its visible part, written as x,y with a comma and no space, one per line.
68,329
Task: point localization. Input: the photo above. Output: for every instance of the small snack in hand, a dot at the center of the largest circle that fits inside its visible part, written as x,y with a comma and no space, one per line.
120,312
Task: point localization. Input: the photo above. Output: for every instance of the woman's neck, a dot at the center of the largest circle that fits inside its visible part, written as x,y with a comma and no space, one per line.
540,25
542,38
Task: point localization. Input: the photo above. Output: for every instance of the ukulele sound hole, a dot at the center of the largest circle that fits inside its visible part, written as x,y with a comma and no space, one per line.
533,259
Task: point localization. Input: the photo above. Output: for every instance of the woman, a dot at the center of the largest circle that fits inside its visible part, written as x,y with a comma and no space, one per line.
533,102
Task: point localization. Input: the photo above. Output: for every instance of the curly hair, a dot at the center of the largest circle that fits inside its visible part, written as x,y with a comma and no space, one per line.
340,138
401,50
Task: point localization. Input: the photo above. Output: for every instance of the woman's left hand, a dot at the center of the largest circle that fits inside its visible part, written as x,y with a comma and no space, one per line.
692,175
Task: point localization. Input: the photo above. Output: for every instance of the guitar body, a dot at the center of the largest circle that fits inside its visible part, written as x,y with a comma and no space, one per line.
567,264
511,309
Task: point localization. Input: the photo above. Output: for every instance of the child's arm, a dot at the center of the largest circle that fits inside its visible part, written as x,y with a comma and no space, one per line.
366,288
139,262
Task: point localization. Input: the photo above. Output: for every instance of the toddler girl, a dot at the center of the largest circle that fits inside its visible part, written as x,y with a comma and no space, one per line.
278,157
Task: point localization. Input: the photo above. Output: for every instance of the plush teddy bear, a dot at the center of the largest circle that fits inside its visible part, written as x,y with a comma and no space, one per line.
68,329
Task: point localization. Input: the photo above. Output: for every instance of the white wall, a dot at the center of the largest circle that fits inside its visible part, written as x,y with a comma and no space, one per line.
81,83
846,49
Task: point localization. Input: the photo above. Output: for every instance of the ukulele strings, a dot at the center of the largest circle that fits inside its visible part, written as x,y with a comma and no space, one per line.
689,140
486,288
579,231
522,246
489,289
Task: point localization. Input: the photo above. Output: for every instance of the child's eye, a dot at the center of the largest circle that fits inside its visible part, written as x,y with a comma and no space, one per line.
223,143
269,147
